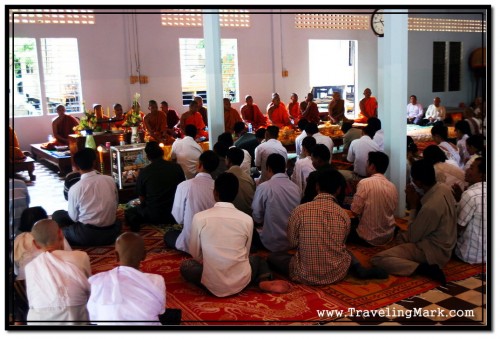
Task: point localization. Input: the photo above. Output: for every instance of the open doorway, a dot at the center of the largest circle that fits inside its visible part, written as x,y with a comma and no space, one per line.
333,68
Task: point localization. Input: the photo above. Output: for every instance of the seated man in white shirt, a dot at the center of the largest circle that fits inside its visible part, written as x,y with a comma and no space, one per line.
303,167
192,196
298,140
272,204
272,145
375,202
220,246
472,216
56,280
435,112
376,125
414,111
125,293
440,136
187,151
358,154
92,203
313,131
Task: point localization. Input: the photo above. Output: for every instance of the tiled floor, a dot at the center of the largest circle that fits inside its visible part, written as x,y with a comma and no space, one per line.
466,298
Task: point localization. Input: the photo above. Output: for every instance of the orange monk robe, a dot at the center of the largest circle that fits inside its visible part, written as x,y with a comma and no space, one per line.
156,125
312,112
15,152
194,119
368,109
231,117
279,117
62,127
253,115
294,111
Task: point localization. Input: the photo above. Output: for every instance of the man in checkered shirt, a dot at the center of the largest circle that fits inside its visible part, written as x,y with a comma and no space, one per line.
471,210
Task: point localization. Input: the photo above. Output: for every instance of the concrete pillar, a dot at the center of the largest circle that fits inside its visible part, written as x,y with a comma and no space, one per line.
393,96
211,34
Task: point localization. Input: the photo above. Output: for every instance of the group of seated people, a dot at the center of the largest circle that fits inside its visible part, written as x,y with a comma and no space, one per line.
227,212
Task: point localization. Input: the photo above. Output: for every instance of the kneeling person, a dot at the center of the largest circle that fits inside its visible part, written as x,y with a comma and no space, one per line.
221,238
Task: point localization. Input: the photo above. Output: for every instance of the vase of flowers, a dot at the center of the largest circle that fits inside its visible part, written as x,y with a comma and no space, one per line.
133,119
86,127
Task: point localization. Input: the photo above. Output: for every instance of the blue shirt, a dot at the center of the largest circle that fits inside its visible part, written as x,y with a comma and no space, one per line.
273,203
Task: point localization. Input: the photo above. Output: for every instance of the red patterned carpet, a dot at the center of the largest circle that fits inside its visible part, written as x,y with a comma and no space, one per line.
253,307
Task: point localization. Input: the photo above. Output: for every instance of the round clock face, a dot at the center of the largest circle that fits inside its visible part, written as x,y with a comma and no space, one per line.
378,23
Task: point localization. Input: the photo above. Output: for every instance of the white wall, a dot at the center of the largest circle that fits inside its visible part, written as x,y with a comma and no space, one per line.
269,46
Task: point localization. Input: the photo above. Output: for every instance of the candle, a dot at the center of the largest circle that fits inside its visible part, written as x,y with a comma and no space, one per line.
100,149
108,112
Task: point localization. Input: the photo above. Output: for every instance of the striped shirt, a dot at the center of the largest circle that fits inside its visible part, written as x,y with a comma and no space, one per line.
375,201
471,244
318,230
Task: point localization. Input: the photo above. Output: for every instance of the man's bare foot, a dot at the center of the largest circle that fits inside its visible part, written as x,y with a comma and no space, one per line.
275,286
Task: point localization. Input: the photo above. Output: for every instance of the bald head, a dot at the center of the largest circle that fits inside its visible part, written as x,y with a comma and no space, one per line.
130,249
47,234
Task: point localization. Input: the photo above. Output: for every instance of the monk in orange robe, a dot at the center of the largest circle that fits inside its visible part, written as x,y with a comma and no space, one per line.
193,117
155,123
119,116
231,116
294,108
15,152
277,113
368,107
252,114
311,112
62,126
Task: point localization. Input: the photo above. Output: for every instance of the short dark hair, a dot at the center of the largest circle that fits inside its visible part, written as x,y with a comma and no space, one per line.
410,145
329,181
153,150
380,160
434,154
30,216
193,103
302,123
413,96
370,131
476,141
239,126
164,103
321,152
276,163
273,131
209,160
311,128
422,170
221,149
308,143
226,138
261,133
346,126
440,130
191,131
153,102
235,155
85,158
374,123
226,185
463,126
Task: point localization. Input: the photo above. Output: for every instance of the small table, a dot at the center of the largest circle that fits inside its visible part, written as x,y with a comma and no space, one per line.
63,162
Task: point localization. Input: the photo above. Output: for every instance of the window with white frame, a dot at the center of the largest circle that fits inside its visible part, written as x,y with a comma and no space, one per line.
193,71
39,86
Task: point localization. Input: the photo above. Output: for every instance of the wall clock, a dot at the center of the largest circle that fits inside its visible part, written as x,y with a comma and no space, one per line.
378,23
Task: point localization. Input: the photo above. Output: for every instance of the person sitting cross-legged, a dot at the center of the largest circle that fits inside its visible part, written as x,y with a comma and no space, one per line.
192,196
92,203
125,294
56,280
318,231
220,246
432,230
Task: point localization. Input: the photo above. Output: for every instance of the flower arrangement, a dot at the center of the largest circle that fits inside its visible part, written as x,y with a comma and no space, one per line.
133,118
88,123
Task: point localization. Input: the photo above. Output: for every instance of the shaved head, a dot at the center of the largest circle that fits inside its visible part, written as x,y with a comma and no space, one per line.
47,233
130,249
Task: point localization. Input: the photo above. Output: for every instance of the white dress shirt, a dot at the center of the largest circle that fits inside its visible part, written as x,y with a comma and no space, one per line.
358,153
379,139
272,204
126,294
186,152
221,239
437,113
93,200
298,144
450,151
303,167
263,151
415,111
192,196
323,139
